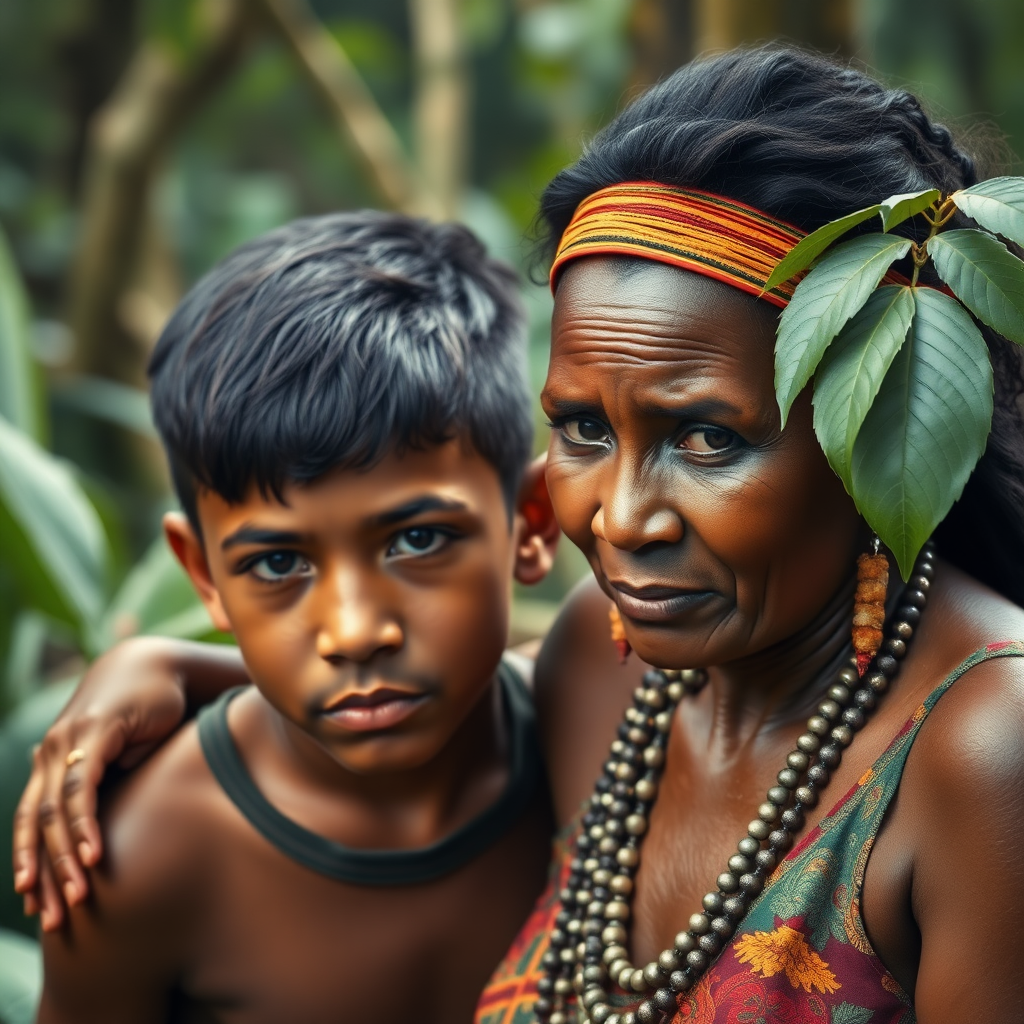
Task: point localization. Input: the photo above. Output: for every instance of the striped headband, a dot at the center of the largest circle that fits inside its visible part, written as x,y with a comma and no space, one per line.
687,228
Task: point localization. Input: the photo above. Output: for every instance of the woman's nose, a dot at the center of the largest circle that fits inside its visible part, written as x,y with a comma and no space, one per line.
354,620
635,513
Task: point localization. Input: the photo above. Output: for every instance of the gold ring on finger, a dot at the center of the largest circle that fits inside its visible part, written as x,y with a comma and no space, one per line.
74,757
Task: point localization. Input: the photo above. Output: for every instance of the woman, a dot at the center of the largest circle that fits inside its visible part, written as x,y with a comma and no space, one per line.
726,542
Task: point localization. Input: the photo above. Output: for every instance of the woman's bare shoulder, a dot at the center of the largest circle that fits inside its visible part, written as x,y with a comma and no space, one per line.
580,689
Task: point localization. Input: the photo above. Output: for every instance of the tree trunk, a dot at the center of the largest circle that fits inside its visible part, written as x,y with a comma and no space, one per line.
441,103
128,139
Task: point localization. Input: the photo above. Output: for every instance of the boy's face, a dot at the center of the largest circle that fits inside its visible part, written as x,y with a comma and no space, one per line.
372,607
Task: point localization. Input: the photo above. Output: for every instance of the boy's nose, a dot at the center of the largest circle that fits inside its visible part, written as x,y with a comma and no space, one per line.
353,623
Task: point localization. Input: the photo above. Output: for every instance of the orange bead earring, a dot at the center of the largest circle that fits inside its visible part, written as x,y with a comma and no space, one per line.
619,634
869,604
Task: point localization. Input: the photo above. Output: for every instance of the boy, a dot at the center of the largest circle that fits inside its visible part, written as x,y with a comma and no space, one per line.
358,836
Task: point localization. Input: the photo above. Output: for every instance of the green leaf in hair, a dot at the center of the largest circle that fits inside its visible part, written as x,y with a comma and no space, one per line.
896,209
985,276
832,292
804,253
851,372
926,428
996,204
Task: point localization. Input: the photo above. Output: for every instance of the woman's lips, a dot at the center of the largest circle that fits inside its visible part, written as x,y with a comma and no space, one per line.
382,708
656,603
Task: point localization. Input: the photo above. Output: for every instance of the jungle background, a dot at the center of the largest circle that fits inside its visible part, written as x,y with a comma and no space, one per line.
141,140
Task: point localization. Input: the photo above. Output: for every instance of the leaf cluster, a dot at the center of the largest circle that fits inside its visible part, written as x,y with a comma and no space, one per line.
902,379
56,546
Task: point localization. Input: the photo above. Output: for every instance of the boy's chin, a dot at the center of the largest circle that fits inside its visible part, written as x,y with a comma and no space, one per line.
384,754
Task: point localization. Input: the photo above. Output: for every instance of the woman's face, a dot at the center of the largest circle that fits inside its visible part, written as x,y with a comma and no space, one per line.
716,533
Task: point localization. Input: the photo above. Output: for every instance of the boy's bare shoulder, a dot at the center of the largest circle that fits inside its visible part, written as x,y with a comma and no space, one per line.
124,949
161,826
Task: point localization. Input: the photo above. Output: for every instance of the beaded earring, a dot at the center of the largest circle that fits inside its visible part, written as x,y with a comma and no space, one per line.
619,634
869,604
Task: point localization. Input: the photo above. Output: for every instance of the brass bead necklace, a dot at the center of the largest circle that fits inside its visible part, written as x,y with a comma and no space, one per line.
587,951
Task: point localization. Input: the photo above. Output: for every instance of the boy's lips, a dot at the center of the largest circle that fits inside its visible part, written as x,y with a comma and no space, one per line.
379,708
655,603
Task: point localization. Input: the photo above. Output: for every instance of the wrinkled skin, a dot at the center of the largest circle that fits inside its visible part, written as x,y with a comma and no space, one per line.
668,469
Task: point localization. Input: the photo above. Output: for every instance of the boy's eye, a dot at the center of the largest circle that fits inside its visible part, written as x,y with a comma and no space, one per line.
418,540
708,440
584,430
279,565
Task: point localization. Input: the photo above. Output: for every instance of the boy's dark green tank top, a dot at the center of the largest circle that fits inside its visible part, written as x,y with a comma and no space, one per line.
381,867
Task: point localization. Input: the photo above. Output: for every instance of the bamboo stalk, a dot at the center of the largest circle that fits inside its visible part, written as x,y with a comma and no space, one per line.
441,104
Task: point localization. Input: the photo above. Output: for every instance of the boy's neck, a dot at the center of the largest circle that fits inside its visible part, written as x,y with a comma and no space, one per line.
400,810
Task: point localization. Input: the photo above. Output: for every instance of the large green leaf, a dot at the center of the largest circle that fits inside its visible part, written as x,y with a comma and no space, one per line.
156,597
926,429
807,250
50,535
107,400
896,209
825,299
19,394
996,204
985,276
851,372
893,211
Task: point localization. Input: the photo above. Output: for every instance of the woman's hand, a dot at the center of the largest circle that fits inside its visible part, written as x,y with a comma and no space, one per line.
130,700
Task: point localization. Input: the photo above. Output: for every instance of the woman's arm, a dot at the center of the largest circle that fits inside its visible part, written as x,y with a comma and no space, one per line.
130,701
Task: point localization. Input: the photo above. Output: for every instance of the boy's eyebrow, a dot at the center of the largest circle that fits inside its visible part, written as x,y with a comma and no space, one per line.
416,507
254,535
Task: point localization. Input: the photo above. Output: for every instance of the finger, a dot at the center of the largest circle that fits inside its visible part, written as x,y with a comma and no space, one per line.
63,859
26,834
79,789
51,911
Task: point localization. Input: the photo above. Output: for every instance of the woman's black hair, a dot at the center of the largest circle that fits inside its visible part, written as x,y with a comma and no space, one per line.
808,140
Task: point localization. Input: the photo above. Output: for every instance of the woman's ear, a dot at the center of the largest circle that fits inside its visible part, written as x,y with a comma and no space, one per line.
189,551
537,530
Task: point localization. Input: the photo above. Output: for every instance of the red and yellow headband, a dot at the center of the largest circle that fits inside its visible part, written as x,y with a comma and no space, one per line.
687,228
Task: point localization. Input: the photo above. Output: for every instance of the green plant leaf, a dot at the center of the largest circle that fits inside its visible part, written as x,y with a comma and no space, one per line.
851,372
985,276
996,204
825,299
50,535
804,253
19,393
156,597
926,428
896,209
107,400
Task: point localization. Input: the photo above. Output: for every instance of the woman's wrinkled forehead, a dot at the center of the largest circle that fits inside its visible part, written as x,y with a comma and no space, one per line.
620,302
650,338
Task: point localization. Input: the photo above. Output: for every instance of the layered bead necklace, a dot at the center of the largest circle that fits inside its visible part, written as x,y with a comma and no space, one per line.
587,951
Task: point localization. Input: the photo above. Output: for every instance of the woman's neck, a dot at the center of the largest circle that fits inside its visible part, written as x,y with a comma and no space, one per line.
781,685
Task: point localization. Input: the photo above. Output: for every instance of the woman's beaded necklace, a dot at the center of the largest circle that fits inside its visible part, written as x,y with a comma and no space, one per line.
587,947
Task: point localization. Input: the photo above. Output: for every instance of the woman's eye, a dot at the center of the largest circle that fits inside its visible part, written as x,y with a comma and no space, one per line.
585,431
708,440
279,565
418,541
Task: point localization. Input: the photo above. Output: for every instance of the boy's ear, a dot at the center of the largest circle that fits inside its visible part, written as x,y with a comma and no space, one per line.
538,531
188,549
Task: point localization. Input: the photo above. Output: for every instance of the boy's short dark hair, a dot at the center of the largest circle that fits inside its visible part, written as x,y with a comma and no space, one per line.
332,340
